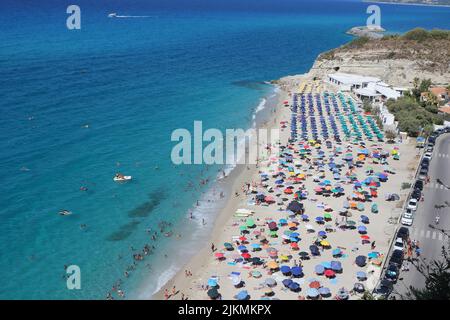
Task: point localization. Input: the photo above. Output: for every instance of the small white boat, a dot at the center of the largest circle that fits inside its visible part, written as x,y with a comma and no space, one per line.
112,15
123,178
65,213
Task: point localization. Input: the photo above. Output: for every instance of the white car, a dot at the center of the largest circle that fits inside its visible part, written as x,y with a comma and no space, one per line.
407,218
412,204
398,245
428,155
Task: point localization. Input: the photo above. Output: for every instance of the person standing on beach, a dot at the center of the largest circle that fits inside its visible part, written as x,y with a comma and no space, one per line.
213,248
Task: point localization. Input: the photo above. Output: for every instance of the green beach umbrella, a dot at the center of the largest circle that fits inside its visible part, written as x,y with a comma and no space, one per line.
250,222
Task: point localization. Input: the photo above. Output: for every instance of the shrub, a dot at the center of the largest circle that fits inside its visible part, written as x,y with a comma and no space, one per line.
357,43
417,34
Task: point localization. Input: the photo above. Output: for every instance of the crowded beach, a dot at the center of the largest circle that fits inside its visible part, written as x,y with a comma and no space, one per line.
315,219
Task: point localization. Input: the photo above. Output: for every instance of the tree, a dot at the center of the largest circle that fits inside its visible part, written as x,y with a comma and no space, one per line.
437,279
367,106
425,85
390,135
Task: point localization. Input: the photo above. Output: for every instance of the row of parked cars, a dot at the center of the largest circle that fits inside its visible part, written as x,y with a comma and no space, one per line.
410,210
390,277
392,272
416,195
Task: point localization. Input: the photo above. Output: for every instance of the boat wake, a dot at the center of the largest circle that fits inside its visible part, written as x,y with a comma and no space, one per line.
115,15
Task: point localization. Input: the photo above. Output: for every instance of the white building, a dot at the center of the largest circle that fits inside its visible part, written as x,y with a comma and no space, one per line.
365,87
348,82
377,91
387,118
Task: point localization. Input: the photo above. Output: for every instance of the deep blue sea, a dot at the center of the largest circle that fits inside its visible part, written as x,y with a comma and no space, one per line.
77,106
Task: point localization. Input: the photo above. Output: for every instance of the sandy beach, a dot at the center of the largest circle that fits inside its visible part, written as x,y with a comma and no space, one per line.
224,266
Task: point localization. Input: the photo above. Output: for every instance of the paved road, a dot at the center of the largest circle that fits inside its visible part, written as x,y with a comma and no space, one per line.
431,239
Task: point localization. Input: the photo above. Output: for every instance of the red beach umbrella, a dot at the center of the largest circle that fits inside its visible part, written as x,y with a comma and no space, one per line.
294,245
329,273
246,255
315,285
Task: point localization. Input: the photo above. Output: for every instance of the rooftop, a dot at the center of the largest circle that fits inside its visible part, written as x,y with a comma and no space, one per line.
347,78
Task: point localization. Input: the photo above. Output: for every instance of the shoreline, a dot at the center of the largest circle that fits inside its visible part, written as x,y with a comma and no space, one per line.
240,175
203,264
409,4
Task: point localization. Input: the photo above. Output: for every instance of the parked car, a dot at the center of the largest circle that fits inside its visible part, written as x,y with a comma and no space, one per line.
418,185
416,194
403,233
385,288
391,273
407,218
398,244
428,155
397,257
423,174
429,149
412,204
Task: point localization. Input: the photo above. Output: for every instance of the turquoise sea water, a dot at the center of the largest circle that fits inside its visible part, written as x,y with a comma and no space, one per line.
78,106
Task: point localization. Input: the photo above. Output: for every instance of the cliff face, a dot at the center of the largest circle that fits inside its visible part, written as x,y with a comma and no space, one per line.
394,59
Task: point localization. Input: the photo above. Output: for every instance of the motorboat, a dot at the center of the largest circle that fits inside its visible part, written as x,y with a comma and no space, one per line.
112,15
121,178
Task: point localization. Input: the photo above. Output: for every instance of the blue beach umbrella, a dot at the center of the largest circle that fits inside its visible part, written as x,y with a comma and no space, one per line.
294,286
324,291
361,275
326,265
336,266
285,269
297,271
360,261
242,295
313,293
212,282
319,269
256,246
336,252
287,282
362,229
314,250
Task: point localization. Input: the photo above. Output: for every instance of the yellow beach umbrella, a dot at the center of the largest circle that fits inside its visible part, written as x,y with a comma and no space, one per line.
324,243
284,257
272,265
